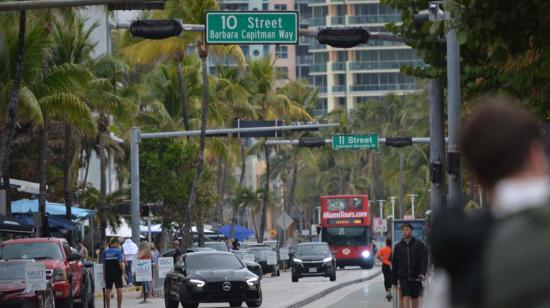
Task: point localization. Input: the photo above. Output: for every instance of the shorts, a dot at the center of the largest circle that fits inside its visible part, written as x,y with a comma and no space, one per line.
411,288
117,281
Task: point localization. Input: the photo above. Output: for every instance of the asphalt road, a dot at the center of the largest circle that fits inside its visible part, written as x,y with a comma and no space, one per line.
277,291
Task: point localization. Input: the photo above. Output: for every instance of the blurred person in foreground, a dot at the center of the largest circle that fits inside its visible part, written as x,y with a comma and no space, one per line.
497,258
384,255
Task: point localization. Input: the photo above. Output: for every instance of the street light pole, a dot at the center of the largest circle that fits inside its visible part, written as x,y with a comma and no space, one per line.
413,196
392,200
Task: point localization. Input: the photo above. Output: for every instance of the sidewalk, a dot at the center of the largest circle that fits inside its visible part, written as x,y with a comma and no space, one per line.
129,299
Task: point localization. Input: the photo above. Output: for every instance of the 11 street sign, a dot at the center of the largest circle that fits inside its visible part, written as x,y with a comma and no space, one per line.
366,142
255,27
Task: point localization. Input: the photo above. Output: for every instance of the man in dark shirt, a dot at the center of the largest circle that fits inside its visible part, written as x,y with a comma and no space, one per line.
114,269
177,250
410,263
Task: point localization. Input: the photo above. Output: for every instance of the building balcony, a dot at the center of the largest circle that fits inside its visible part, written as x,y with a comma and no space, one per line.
383,65
317,21
322,89
338,66
383,87
373,19
318,68
338,20
339,89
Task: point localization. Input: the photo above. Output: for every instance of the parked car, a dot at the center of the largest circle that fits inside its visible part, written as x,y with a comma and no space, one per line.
211,277
12,288
170,253
313,259
219,246
72,280
261,254
252,266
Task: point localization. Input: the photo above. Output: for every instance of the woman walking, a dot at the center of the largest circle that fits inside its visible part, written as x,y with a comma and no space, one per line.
145,254
384,255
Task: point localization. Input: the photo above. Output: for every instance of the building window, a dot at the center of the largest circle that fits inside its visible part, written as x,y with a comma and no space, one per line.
280,7
282,72
281,52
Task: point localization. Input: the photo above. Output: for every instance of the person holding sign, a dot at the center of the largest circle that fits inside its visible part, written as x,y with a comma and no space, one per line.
114,269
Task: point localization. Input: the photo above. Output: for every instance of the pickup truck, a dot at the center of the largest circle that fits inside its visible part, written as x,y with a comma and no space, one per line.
72,281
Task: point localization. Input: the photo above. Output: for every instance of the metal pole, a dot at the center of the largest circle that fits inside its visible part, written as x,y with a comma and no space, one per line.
52,4
401,188
392,199
134,161
453,110
149,226
413,196
437,145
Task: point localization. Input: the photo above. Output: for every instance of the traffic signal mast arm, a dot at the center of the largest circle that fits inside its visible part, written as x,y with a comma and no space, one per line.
397,142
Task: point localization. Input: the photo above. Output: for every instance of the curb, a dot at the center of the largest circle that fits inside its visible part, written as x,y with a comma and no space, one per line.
337,287
124,290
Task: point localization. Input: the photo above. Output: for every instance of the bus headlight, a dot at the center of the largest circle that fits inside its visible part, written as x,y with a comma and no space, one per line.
365,254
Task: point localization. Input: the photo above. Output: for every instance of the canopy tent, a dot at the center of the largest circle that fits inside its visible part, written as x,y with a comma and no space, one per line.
241,233
31,206
11,225
123,230
54,222
156,228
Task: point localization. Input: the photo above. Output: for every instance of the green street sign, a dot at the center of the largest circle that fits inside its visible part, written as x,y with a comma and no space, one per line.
251,27
365,142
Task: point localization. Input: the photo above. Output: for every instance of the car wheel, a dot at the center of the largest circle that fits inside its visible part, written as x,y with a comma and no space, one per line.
278,272
294,277
367,266
341,267
256,303
190,305
235,304
85,294
170,303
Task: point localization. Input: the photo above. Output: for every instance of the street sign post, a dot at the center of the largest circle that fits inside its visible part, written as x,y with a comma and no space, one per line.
251,27
365,141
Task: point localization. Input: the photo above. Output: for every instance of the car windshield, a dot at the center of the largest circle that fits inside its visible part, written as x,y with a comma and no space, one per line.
261,253
198,262
31,251
12,271
220,246
346,236
312,250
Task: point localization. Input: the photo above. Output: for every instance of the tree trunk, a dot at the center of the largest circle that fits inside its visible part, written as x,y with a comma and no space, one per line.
67,176
266,195
102,127
187,236
13,105
222,169
43,176
184,98
292,189
253,217
88,158
241,182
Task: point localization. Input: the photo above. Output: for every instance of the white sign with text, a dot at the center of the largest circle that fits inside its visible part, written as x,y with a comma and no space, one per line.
144,271
35,276
165,265
99,278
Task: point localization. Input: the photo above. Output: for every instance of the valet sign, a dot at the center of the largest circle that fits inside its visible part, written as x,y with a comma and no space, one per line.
256,27
35,276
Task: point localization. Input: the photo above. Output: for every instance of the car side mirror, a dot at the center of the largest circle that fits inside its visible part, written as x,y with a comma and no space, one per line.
74,257
179,267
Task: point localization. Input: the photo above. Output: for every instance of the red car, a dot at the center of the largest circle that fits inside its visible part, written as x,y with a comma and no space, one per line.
12,288
72,281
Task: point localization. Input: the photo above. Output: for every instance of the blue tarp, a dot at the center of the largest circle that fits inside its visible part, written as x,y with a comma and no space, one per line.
31,206
241,233
54,222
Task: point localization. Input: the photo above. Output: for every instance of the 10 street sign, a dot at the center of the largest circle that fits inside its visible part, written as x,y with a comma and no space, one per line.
255,27
366,142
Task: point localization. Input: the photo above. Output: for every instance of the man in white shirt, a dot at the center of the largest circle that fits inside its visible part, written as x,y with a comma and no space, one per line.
130,250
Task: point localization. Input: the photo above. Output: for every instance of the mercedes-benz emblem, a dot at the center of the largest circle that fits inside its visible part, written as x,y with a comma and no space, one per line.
226,286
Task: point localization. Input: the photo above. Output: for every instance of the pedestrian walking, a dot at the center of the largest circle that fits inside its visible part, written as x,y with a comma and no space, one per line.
384,255
145,254
409,265
130,252
81,250
113,272
236,245
505,149
177,250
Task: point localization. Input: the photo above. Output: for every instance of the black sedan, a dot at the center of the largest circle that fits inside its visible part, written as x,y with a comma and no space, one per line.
251,265
313,259
211,277
262,257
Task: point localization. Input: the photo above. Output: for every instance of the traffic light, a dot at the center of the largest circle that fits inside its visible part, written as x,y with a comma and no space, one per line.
156,29
398,142
344,37
312,142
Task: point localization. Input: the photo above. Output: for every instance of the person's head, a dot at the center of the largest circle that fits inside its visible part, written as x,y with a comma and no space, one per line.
388,242
175,243
152,246
80,244
502,141
115,242
145,248
407,231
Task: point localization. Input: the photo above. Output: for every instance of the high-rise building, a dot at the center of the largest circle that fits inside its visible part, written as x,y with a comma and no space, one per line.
349,77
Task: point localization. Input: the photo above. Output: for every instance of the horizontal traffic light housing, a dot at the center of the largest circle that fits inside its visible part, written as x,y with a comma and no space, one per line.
343,37
156,29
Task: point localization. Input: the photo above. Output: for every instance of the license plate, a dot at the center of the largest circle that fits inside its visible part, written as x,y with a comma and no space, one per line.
313,270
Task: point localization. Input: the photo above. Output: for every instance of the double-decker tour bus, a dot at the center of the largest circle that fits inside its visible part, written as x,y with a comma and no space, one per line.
346,227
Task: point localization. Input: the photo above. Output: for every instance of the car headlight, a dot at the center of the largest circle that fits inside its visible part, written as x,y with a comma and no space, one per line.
59,275
327,259
252,281
365,254
297,260
197,283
